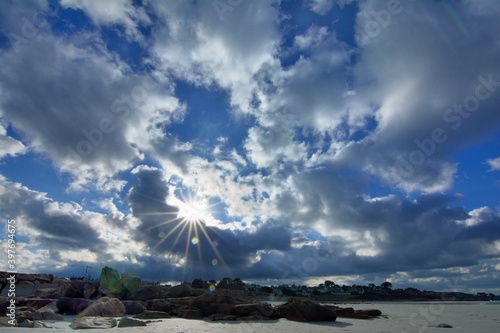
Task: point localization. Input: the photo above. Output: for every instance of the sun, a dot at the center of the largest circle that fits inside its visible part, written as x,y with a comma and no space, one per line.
194,210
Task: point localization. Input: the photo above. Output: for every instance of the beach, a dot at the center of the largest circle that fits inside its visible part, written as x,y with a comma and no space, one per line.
397,317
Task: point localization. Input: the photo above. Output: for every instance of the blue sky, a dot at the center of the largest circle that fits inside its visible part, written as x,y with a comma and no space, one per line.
275,141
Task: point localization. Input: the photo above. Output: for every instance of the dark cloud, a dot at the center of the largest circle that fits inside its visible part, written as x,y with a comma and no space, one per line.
53,226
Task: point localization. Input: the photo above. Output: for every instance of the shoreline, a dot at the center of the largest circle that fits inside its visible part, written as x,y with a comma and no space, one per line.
397,317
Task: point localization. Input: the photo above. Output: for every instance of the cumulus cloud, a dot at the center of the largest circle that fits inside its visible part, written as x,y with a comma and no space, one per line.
84,107
323,118
494,164
109,13
10,146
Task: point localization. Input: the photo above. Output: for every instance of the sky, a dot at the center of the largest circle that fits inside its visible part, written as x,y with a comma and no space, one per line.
274,141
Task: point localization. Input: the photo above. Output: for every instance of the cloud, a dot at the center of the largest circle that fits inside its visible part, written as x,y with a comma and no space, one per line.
83,107
494,164
112,13
413,91
10,146
321,7
197,46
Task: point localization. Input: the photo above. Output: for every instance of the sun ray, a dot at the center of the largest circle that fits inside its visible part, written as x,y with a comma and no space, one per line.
168,235
162,223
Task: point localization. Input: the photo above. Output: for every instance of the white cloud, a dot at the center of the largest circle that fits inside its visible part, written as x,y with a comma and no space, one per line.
84,108
197,46
321,7
117,12
10,146
494,164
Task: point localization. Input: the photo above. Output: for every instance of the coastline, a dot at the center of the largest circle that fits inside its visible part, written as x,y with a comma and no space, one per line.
396,317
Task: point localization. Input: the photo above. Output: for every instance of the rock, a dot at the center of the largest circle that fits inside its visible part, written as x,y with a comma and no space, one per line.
302,310
148,314
110,281
209,304
146,293
160,305
130,283
104,307
25,288
182,290
255,309
90,290
73,289
369,312
444,326
129,322
38,324
191,314
133,307
4,322
50,307
344,312
46,315
222,317
33,303
72,306
93,322
254,318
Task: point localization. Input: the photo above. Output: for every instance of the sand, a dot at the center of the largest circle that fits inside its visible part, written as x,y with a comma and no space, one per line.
398,318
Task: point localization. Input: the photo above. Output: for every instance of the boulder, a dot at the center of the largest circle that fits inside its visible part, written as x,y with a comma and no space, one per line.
148,314
344,312
182,290
90,290
44,315
444,326
209,304
130,283
255,309
303,310
104,307
160,305
129,322
72,306
93,322
222,317
4,322
133,307
191,314
33,303
145,293
110,281
368,312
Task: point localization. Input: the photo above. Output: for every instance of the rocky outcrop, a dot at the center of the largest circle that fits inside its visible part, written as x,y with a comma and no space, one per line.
72,306
182,290
303,310
93,322
133,307
145,293
263,310
191,314
104,307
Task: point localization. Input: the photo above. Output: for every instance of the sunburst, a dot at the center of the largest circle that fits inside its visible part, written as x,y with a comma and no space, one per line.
190,221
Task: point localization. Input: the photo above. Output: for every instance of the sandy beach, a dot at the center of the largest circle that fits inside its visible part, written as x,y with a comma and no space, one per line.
397,318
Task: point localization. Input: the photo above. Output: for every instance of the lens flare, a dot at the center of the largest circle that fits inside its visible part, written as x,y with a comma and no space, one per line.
215,262
195,240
